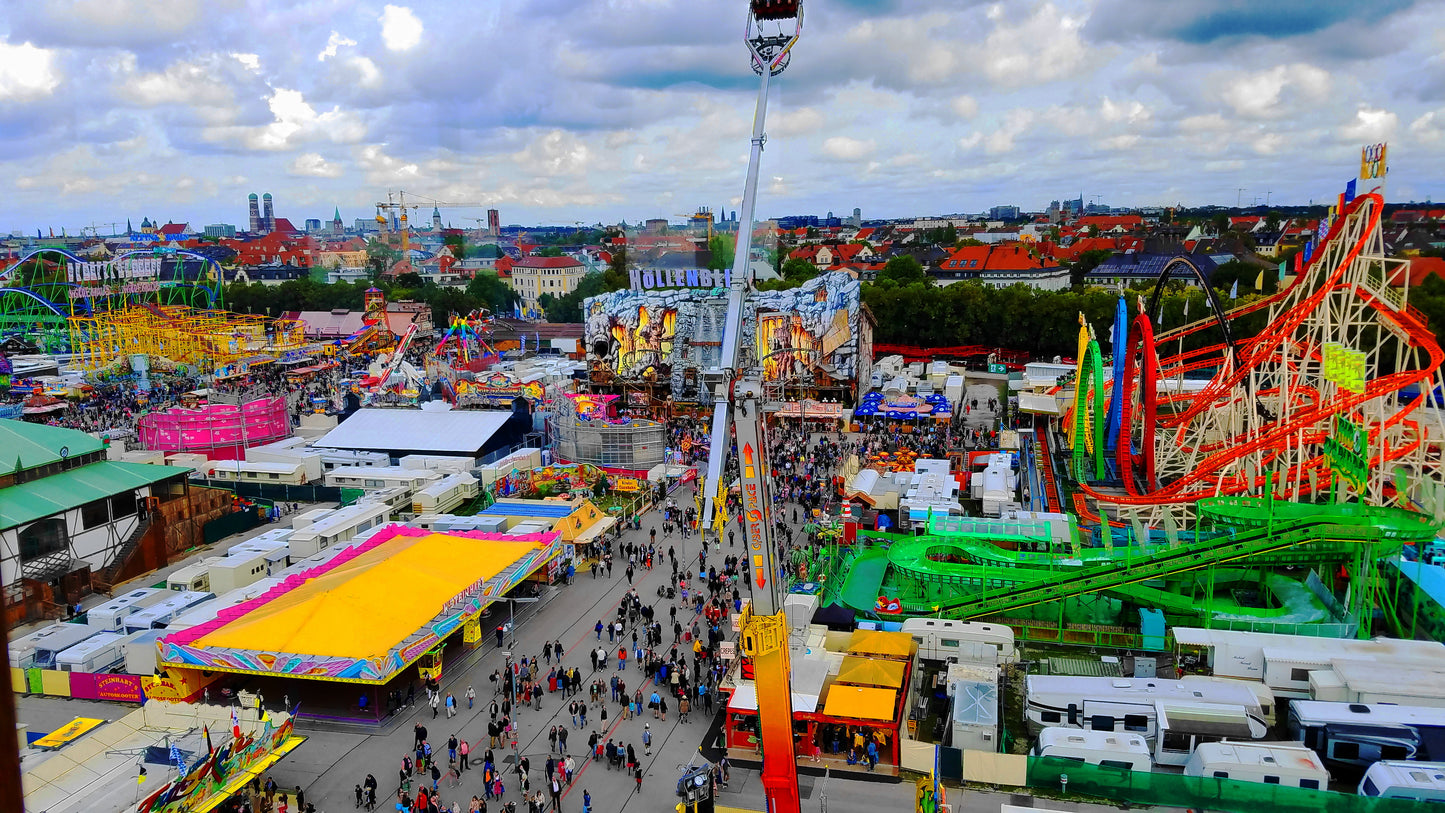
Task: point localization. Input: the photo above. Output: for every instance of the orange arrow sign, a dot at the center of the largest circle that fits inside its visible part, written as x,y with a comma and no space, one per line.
748,461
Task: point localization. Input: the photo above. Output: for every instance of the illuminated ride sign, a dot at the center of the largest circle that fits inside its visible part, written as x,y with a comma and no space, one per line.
755,499
644,279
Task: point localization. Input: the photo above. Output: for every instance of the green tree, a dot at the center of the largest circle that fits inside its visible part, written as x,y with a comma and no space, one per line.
1220,222
949,236
550,251
1272,221
410,279
903,270
568,308
721,248
1087,261
458,245
798,270
615,278
491,293
380,256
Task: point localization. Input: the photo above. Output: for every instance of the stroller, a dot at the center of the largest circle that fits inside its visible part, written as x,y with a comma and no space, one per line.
666,591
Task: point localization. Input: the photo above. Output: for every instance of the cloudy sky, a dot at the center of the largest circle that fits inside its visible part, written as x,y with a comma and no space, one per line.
557,111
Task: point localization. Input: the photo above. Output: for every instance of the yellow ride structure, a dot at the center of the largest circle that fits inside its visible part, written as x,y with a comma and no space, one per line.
201,339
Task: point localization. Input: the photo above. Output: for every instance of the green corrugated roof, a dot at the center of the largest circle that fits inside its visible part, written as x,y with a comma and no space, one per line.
28,502
36,444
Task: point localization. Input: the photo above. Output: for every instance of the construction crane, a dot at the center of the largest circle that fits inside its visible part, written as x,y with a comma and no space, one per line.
397,203
739,405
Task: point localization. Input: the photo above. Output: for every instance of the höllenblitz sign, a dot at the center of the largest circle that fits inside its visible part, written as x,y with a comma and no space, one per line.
644,279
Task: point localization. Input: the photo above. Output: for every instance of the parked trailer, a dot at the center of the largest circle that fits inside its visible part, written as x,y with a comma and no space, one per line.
1183,727
158,615
1290,764
38,649
1413,781
141,656
1356,735
192,578
1106,748
1125,704
110,616
95,654
940,639
237,570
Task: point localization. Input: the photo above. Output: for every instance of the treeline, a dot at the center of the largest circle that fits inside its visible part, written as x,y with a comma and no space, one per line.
483,291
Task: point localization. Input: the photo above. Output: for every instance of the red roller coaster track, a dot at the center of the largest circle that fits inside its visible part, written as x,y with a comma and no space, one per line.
1268,407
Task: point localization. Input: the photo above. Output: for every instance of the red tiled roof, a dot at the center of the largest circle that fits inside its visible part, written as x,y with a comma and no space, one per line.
546,262
1418,270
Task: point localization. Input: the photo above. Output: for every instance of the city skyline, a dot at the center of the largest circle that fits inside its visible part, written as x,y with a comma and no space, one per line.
580,112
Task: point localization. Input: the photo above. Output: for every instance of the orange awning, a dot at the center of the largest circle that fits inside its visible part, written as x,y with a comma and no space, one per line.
882,644
860,703
871,672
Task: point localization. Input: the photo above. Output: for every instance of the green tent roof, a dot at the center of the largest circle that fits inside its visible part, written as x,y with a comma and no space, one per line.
48,496
36,444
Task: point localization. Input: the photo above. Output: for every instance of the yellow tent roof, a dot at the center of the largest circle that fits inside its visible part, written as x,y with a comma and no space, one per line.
871,672
860,702
884,644
368,605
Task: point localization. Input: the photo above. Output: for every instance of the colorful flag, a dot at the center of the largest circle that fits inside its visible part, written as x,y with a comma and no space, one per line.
141,777
209,748
1234,290
1259,281
1350,191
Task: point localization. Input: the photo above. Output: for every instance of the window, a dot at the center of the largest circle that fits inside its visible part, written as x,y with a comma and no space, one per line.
274,476
1310,784
1369,788
1271,780
1116,763
1345,750
94,514
1136,722
1394,752
43,538
1177,742
1101,722
1221,774
1050,717
949,642
1299,675
123,504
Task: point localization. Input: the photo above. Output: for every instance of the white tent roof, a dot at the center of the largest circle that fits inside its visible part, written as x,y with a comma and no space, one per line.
422,431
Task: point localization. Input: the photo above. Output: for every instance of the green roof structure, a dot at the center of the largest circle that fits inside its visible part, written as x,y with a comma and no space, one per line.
33,445
51,495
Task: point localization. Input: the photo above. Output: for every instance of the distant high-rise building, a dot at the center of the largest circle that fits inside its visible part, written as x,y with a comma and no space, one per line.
734,216
856,220
494,223
220,230
313,225
1003,213
255,222
268,215
436,219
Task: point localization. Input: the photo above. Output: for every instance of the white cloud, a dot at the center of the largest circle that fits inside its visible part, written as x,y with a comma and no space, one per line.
793,123
311,164
1429,128
180,83
1261,95
1042,48
849,149
555,152
335,42
294,122
965,106
251,62
26,72
1371,124
400,28
1133,112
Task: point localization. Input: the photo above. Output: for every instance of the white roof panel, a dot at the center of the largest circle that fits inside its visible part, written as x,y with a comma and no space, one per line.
457,431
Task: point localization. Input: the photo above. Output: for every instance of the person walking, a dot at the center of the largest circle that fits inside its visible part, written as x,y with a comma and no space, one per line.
471,697
647,739
436,699
463,749
561,739
451,705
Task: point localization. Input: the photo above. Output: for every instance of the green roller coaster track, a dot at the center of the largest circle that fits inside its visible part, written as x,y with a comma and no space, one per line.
1088,434
1237,530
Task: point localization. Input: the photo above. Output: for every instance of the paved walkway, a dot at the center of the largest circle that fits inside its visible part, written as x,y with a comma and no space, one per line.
333,761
